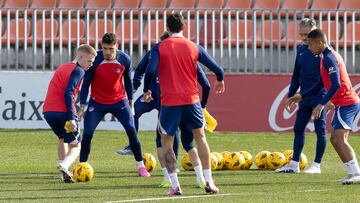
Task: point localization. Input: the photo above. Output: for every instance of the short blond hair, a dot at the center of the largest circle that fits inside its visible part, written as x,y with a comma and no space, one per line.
87,49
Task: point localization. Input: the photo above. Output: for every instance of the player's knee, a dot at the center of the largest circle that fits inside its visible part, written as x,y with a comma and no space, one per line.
336,140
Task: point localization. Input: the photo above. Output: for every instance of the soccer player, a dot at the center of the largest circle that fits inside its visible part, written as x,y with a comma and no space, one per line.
59,107
175,60
306,74
108,95
340,92
142,107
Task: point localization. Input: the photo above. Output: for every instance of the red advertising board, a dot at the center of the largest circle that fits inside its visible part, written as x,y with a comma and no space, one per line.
255,103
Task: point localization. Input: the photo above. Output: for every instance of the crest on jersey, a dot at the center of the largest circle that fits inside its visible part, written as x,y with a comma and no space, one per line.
118,70
332,70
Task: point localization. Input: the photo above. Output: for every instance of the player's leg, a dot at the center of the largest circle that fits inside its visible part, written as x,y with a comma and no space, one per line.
94,113
342,122
188,145
122,112
166,183
56,121
303,116
140,107
194,119
320,130
167,128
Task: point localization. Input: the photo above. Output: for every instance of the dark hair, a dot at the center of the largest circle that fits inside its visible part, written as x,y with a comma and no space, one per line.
164,36
175,22
109,38
317,34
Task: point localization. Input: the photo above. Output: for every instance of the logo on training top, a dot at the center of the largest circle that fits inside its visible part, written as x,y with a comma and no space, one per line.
278,114
332,70
118,70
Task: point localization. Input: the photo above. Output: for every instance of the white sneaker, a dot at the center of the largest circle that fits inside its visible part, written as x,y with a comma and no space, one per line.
342,179
65,174
313,169
288,169
354,179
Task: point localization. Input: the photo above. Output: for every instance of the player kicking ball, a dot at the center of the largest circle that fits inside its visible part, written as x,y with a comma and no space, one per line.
59,107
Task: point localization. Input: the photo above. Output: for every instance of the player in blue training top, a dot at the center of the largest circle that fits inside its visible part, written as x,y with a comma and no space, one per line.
59,107
306,74
108,95
175,61
142,107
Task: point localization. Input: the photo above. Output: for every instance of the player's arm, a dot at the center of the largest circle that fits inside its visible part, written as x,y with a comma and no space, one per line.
74,80
210,63
205,85
211,122
295,79
150,71
294,86
140,71
332,67
127,78
84,92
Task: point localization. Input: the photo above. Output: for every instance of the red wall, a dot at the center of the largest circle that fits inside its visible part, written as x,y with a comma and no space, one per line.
256,103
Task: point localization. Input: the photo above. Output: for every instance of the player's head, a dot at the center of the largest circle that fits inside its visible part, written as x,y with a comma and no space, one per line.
85,56
164,36
175,23
317,41
109,46
305,27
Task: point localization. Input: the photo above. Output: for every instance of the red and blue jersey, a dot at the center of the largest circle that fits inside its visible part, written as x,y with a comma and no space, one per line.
336,79
154,85
106,80
175,61
63,88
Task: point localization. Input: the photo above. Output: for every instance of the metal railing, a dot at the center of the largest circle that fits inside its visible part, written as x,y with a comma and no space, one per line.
242,41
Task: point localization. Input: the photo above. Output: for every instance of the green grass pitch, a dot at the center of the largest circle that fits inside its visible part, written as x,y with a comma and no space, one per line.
28,172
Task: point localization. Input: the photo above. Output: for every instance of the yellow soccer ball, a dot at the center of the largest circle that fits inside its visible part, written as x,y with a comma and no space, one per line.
213,161
225,155
276,160
235,161
303,161
149,162
83,172
186,163
261,159
248,160
288,155
220,160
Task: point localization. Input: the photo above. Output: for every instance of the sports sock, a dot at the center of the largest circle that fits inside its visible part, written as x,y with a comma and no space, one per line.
199,173
174,180
352,167
207,175
166,174
294,164
140,164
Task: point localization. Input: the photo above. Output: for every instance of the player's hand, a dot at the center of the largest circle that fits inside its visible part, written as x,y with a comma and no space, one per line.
211,122
70,126
317,111
219,86
291,102
330,106
80,113
147,96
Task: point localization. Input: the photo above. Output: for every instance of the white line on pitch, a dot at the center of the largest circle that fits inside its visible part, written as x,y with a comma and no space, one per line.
179,197
209,196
